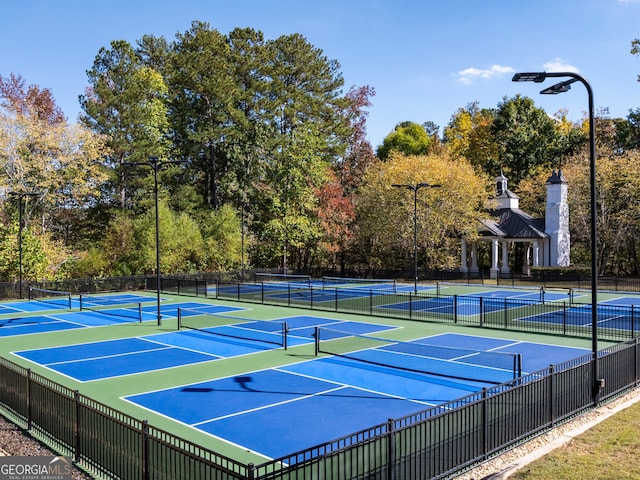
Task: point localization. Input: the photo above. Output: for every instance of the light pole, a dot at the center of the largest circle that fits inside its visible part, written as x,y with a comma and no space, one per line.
20,196
155,165
539,77
414,189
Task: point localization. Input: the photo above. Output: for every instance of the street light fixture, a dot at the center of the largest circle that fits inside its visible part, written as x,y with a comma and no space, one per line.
20,196
562,87
414,189
155,165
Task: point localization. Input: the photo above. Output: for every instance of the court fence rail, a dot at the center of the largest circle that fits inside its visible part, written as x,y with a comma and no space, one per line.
432,444
559,317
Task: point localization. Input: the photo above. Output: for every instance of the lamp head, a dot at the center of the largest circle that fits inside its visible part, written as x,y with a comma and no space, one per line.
537,77
558,87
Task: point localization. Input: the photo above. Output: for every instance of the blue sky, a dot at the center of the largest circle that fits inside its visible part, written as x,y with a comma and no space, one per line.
425,59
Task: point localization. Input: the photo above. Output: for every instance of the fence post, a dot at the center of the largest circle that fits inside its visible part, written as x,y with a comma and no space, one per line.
145,450
506,316
28,399
635,361
455,309
391,454
370,303
251,471
552,396
76,427
485,424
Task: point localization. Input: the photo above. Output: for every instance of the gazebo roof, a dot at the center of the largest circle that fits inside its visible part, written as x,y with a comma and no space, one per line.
514,223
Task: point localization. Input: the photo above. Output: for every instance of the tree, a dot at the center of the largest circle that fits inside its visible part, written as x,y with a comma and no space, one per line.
407,138
126,103
359,153
336,215
204,96
302,108
618,211
385,214
628,131
40,152
470,135
527,138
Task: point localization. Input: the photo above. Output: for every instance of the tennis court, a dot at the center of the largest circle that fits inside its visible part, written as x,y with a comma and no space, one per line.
275,411
619,313
96,312
458,301
193,343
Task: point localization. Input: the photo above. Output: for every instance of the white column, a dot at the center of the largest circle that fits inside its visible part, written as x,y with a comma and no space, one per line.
474,258
526,267
463,256
494,259
536,253
505,257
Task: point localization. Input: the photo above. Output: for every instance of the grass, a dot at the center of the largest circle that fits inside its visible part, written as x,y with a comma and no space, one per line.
608,450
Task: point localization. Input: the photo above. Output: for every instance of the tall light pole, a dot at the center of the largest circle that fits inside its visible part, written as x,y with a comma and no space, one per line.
20,196
414,189
565,86
155,165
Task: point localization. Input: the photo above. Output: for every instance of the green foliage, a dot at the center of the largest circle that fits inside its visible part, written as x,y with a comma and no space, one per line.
469,135
9,268
524,133
407,138
278,164
187,244
385,214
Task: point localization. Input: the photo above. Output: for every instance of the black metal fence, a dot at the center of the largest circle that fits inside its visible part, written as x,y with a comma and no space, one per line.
434,443
567,318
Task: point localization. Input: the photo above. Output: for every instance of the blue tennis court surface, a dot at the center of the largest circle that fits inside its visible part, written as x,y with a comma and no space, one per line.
53,322
27,306
278,411
616,314
113,358
475,303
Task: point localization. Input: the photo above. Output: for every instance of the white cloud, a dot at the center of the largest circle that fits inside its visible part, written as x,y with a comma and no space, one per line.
468,75
559,65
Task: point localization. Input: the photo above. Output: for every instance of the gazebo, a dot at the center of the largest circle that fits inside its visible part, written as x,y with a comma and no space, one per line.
546,241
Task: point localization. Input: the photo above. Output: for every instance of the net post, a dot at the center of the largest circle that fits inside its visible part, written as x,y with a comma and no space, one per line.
30,294
518,361
140,312
70,303
455,308
316,335
179,318
80,301
285,331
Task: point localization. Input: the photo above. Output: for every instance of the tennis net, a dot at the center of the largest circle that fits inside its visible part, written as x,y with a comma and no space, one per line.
421,357
283,278
534,293
372,283
100,305
262,331
56,298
